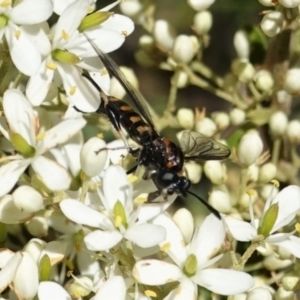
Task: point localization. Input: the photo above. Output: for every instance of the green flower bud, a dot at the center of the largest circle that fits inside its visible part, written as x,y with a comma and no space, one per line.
94,20
45,268
21,145
3,21
190,265
119,215
269,220
65,57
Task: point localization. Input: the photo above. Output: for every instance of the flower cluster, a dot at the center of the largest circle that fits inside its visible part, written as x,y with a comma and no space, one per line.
87,216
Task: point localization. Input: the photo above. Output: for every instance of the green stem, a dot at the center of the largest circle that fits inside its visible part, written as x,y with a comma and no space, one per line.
173,92
243,183
17,80
276,150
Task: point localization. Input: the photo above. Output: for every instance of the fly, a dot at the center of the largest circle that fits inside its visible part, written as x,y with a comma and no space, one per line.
162,158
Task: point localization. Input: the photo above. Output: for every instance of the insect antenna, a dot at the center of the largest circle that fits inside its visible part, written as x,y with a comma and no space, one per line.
208,206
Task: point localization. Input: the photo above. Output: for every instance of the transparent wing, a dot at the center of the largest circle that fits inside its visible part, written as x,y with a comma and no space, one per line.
138,102
197,146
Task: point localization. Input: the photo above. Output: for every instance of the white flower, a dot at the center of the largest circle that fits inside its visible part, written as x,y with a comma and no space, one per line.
278,212
69,44
272,23
22,130
192,262
120,219
23,51
49,290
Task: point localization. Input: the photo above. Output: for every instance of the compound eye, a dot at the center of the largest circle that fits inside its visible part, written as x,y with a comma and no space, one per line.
168,177
164,179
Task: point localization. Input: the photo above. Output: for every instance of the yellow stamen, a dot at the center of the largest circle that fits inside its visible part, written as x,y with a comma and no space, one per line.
40,136
125,33
165,247
17,34
150,293
140,200
297,227
65,35
104,72
51,65
132,178
5,3
251,192
72,90
275,182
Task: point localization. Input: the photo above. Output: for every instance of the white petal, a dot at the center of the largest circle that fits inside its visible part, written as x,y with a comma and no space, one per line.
24,53
92,158
240,230
70,20
82,214
56,251
187,289
156,272
115,187
175,246
224,282
60,6
277,237
208,239
62,132
87,264
113,289
80,92
8,272
49,290
5,256
26,280
31,11
119,23
38,85
9,213
53,175
292,244
39,36
146,235
289,205
102,240
10,173
107,40
19,114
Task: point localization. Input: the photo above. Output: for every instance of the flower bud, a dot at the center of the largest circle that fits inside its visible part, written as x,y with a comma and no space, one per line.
243,69
272,262
146,42
163,35
116,89
183,49
239,297
292,83
194,171
290,282
241,44
268,190
289,3
246,198
221,119
27,199
186,118
267,172
131,8
293,131
259,293
282,294
252,173
206,126
272,23
182,80
92,158
215,171
237,116
79,288
266,2
250,148
264,81
220,201
200,4
185,222
38,226
202,22
278,123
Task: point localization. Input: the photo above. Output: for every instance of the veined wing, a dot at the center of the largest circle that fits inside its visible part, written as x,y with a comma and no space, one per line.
197,146
137,100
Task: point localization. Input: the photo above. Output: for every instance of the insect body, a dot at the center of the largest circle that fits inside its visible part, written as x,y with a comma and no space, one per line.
161,157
